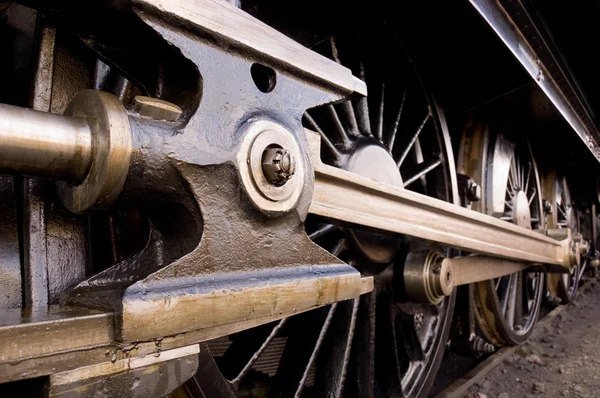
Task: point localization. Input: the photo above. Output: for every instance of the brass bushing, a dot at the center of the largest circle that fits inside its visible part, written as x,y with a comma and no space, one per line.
111,143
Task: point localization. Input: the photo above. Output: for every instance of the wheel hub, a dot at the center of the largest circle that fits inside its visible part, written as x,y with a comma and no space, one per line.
373,161
521,212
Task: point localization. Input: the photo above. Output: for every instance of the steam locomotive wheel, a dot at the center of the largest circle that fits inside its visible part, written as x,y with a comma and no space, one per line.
506,308
563,215
380,344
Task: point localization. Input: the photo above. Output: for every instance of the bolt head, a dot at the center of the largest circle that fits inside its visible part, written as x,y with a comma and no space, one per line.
547,206
278,165
474,192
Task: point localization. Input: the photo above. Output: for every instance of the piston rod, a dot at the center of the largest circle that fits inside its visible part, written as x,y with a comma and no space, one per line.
44,145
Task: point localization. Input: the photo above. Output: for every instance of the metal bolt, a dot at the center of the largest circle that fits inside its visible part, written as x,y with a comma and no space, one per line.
480,347
156,109
553,300
278,165
547,206
473,192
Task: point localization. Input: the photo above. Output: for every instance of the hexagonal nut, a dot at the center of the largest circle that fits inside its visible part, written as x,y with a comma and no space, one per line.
278,165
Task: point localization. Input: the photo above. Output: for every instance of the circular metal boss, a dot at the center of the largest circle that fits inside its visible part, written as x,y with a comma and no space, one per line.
427,277
272,198
111,142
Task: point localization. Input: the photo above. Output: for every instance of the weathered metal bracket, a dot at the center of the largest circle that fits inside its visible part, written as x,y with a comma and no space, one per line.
245,266
215,257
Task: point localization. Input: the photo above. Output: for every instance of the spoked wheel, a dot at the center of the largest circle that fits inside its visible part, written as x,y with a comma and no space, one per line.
562,215
506,308
380,344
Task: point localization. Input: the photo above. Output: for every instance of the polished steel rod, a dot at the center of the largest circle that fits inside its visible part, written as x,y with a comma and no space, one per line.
44,145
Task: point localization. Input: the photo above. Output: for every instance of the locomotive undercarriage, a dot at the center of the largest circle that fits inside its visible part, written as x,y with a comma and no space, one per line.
188,176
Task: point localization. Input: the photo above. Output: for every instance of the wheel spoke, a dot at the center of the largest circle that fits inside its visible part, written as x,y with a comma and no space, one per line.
511,187
258,352
362,106
532,196
361,376
394,131
379,124
413,139
315,351
243,348
348,112
506,294
305,337
513,173
324,138
338,125
387,359
518,171
424,168
208,381
562,211
324,230
335,354
334,51
339,247
528,175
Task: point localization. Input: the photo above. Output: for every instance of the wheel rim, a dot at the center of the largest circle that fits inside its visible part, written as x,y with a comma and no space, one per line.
340,340
505,308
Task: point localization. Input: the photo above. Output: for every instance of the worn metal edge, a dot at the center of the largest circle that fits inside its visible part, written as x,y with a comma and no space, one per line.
27,338
122,365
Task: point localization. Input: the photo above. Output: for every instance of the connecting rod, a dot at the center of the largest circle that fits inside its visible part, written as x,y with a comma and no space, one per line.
350,198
